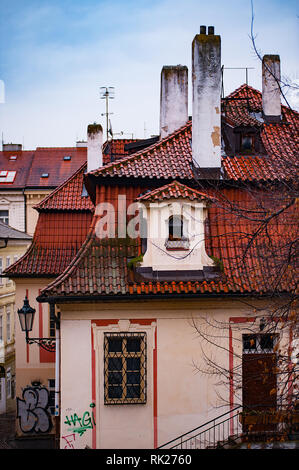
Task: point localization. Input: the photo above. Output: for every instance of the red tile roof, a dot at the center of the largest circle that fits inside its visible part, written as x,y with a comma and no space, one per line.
171,157
68,196
56,241
51,161
115,150
101,267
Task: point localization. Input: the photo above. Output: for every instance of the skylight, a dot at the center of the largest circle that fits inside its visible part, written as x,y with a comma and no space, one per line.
7,176
45,175
67,157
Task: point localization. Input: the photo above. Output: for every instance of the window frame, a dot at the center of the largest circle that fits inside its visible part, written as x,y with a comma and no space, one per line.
125,354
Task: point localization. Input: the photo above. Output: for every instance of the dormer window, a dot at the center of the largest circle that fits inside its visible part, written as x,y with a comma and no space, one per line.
175,247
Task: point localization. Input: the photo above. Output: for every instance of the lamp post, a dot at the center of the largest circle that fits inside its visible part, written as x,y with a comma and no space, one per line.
26,317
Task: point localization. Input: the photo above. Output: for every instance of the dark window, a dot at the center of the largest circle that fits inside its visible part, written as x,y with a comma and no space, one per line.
247,142
4,217
125,368
176,227
259,343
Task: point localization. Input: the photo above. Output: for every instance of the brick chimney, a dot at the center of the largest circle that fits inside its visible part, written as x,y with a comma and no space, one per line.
173,98
270,88
206,94
94,146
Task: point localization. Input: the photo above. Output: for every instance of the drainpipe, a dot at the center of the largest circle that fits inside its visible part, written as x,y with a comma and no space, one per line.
25,210
57,374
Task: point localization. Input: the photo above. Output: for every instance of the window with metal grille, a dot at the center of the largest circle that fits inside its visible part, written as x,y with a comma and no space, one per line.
259,343
125,368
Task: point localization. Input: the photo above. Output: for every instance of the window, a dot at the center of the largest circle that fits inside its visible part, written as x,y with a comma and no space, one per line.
176,227
247,143
52,325
8,323
1,269
259,343
125,368
176,239
1,324
8,383
4,217
51,402
7,265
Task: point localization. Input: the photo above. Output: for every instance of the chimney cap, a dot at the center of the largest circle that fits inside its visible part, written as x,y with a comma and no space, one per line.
94,128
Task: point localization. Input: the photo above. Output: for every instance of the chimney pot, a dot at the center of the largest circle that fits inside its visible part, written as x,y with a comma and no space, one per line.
203,29
211,30
173,98
94,146
206,94
271,88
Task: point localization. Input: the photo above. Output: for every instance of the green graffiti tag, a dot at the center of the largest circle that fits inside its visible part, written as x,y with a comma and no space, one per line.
80,424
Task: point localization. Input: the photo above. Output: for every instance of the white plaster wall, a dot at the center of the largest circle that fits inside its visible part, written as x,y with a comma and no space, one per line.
75,381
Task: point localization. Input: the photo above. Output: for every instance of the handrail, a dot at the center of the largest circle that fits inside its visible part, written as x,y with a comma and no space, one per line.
226,428
201,426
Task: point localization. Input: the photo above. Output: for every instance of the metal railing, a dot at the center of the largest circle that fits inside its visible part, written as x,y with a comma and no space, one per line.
239,425
217,432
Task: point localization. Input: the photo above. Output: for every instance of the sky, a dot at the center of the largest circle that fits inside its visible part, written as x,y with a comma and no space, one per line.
56,54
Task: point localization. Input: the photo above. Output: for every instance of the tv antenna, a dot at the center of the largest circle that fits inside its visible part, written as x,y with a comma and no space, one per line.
236,68
107,93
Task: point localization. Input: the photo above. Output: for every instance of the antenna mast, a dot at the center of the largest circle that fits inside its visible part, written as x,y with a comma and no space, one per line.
106,94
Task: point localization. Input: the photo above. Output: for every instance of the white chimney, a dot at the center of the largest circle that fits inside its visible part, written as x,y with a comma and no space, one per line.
206,112
271,88
94,146
173,98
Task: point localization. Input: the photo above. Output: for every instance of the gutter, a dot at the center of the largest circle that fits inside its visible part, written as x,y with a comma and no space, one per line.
127,297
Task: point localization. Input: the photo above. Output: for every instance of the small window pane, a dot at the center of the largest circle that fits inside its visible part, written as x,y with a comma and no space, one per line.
115,345
133,344
115,392
266,341
249,342
115,378
133,391
115,363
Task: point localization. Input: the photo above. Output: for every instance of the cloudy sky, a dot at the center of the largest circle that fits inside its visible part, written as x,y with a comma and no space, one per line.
56,54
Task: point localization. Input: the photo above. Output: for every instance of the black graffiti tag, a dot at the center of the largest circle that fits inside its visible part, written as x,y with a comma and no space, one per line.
32,410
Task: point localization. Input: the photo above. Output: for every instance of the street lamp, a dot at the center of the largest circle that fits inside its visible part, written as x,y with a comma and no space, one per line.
26,317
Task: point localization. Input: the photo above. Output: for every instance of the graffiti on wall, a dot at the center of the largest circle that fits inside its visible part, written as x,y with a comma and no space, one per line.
79,424
32,410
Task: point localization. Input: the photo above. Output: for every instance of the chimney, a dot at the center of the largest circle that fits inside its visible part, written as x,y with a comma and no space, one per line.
94,146
11,147
173,98
271,88
206,95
